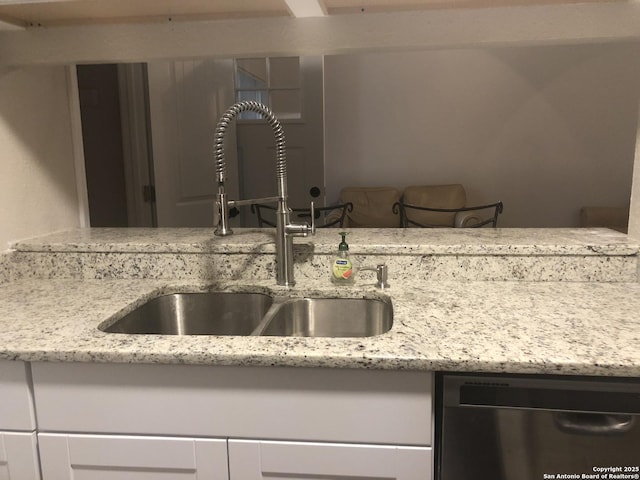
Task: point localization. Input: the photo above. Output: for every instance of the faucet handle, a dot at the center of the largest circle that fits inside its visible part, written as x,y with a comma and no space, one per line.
313,218
303,229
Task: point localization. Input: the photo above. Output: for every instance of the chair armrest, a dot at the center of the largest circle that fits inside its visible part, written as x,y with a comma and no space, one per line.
467,219
333,215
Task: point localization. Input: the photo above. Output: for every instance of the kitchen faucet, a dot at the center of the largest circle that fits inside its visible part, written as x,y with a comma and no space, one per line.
285,230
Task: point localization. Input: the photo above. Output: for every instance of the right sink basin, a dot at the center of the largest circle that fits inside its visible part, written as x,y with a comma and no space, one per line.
328,317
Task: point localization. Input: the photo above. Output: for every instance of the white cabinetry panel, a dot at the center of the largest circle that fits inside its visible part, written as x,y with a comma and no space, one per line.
17,402
310,404
259,460
18,456
104,457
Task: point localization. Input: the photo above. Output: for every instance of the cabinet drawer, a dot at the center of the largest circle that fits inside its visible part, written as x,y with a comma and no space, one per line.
17,402
313,404
258,460
77,457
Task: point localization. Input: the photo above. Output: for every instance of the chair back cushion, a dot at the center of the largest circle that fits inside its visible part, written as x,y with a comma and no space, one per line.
434,196
372,206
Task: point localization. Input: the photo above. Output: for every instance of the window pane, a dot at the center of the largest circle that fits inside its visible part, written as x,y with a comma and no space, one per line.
286,104
251,73
284,72
260,96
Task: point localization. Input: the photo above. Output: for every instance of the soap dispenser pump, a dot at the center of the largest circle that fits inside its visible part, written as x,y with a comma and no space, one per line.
341,268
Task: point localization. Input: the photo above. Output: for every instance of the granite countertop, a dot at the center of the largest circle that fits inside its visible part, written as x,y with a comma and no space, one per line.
389,241
570,328
519,327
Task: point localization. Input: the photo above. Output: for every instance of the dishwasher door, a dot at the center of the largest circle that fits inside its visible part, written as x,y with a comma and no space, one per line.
528,428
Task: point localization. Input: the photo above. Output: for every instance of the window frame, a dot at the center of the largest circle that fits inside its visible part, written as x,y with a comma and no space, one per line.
268,90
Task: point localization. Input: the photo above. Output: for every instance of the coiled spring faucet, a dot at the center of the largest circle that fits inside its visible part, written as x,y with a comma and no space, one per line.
285,230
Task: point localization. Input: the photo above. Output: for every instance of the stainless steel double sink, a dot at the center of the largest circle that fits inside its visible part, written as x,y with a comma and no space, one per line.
251,314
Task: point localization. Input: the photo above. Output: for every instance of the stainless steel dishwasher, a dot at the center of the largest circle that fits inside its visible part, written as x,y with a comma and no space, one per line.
533,428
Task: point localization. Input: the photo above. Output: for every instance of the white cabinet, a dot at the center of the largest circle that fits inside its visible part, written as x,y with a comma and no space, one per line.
306,404
16,400
18,450
136,421
111,457
259,460
18,456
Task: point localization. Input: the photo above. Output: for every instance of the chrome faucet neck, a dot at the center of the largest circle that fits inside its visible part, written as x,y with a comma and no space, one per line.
278,132
285,231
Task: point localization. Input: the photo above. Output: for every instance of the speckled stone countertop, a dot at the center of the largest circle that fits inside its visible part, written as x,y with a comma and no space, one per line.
569,328
519,327
390,241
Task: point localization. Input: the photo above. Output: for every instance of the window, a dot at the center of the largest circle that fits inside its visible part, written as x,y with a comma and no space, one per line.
272,81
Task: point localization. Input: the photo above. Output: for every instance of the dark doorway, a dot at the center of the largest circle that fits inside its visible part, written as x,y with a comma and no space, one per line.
103,148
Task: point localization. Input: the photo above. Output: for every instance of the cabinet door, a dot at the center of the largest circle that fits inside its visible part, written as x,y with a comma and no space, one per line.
258,460
17,412
110,457
18,456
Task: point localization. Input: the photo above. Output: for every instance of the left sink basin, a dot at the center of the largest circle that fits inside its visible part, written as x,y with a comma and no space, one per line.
211,313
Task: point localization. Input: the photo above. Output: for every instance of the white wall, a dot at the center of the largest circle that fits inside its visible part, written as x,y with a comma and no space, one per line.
544,129
634,214
37,186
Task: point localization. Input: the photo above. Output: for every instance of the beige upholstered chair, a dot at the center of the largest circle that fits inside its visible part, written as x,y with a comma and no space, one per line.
444,206
372,206
434,196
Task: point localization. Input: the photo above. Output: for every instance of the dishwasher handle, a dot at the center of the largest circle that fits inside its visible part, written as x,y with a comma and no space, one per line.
531,395
578,423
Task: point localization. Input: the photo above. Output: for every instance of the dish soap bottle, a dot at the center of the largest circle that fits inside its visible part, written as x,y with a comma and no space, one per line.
341,268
